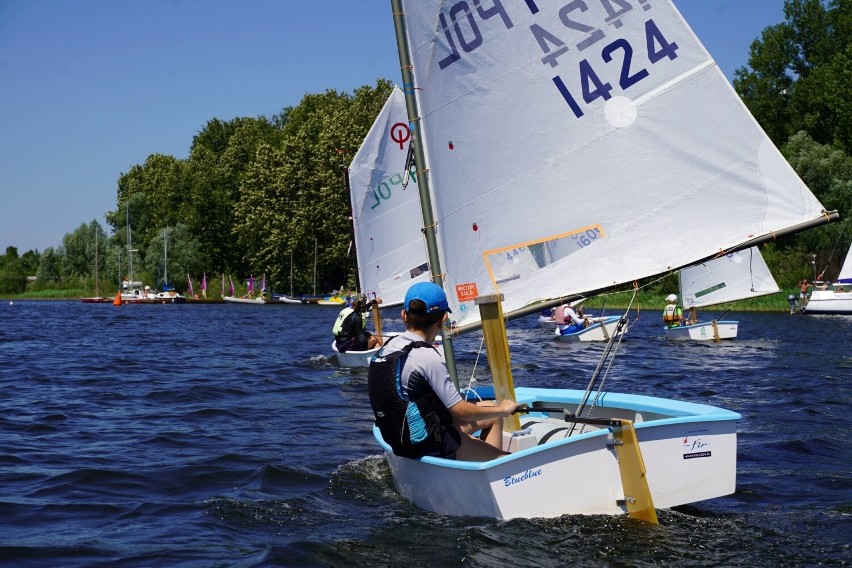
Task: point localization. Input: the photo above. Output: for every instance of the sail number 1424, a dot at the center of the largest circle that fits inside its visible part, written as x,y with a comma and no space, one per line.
464,35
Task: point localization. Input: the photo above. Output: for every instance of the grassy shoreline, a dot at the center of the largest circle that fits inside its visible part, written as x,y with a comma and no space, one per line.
614,300
655,301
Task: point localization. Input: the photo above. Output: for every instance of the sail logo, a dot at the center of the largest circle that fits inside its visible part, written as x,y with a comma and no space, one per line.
510,480
466,292
400,134
695,447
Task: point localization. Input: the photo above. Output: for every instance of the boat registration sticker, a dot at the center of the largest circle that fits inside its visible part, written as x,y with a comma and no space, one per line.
466,292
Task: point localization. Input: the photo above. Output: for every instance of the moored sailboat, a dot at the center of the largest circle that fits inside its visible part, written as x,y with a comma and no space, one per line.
97,298
522,106
835,298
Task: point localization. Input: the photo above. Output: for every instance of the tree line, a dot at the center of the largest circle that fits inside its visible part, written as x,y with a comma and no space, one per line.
255,192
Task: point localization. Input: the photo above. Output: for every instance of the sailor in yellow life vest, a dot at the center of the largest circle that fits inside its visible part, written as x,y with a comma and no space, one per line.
672,313
348,330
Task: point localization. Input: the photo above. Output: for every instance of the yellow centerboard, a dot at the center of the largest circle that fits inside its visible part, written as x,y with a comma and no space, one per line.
637,495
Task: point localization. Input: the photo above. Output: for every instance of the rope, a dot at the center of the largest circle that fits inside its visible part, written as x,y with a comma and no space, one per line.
607,358
472,381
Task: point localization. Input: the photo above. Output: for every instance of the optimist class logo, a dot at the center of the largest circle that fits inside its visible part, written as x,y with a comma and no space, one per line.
400,134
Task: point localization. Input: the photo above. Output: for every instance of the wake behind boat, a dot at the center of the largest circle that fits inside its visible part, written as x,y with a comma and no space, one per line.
521,106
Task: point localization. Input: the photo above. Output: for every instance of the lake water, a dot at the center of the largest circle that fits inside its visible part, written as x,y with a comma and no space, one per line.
221,435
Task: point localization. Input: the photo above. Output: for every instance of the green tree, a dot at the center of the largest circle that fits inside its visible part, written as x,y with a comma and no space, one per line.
49,268
181,253
321,136
13,278
827,170
81,245
796,86
30,260
801,73
219,157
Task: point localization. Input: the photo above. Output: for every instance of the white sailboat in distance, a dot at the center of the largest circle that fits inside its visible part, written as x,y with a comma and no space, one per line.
729,278
386,216
833,298
386,219
614,108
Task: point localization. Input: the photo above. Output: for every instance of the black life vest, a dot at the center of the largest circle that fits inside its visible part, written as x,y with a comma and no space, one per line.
412,428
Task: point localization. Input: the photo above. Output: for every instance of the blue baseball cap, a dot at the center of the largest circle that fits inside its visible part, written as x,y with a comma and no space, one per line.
430,294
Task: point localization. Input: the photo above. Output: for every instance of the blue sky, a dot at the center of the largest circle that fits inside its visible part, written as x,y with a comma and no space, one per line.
89,88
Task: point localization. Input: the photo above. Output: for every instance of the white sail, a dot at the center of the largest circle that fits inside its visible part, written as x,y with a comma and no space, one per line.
601,129
845,276
729,278
386,217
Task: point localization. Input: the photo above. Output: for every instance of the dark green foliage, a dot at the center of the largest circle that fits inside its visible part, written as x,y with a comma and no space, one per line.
797,86
13,279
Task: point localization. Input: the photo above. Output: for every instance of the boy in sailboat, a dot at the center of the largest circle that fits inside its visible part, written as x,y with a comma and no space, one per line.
417,407
572,321
349,328
672,313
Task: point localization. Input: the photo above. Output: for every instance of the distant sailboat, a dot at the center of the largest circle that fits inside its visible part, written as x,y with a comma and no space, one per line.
288,299
386,219
833,298
168,295
97,298
389,247
249,298
729,278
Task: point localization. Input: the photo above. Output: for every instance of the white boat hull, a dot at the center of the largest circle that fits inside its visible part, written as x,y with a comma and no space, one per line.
362,358
546,322
702,331
598,331
236,300
689,451
353,358
829,302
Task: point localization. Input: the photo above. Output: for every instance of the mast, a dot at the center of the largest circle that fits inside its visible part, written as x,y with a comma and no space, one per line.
129,245
353,245
422,172
97,287
291,274
165,257
315,266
